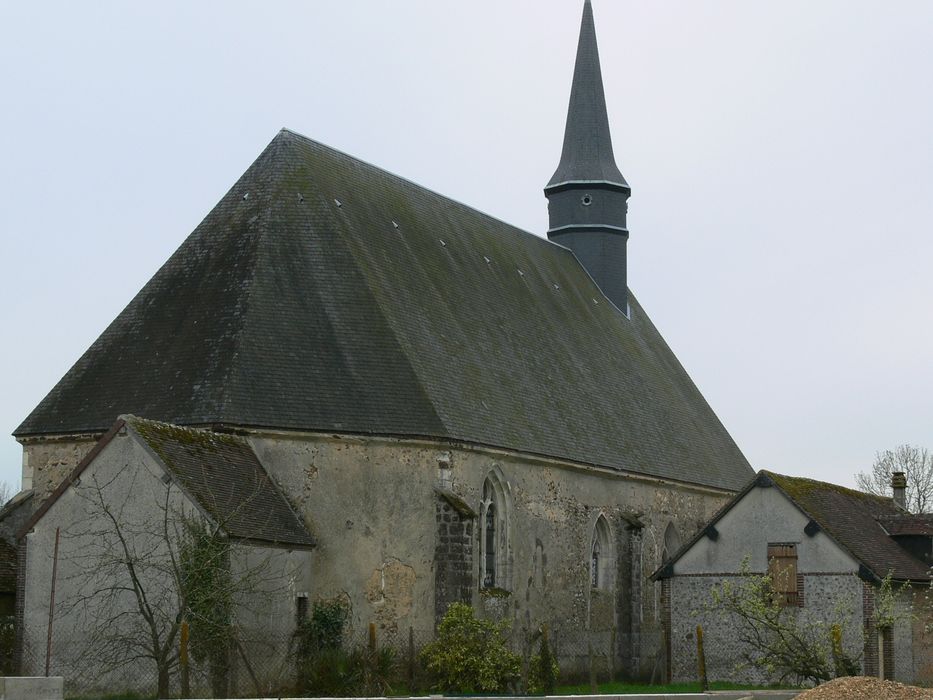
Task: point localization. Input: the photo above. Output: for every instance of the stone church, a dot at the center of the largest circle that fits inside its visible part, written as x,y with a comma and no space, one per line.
456,409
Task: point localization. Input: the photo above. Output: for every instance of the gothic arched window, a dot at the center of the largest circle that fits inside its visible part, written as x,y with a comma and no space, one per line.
671,542
493,539
602,562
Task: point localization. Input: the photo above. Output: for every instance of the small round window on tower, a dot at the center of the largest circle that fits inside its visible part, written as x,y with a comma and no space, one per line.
587,200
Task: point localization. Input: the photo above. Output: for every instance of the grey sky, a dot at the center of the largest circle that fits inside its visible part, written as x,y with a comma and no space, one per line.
780,157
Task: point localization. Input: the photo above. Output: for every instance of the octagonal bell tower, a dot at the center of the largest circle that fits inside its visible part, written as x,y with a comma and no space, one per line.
587,195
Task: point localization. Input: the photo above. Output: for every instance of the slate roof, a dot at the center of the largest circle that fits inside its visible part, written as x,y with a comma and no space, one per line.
587,153
325,294
852,518
222,473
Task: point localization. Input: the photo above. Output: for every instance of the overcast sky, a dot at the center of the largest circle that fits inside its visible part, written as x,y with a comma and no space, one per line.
780,156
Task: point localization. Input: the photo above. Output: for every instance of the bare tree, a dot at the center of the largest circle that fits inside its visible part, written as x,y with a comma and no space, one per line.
7,491
139,575
917,465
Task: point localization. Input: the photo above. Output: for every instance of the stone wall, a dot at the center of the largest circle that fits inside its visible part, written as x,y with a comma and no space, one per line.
372,501
47,461
398,538
829,598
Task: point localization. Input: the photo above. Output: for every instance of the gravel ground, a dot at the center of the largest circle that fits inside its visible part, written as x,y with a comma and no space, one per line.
862,688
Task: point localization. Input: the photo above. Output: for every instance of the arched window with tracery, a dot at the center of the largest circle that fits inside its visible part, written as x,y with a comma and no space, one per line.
494,533
602,560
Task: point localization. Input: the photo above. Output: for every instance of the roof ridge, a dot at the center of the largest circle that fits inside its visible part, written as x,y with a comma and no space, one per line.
233,367
401,178
835,487
339,230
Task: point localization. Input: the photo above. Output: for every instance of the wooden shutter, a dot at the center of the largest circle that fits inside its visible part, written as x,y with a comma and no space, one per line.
782,568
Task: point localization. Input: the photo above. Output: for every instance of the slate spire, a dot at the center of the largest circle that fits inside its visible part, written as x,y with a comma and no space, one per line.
587,195
587,153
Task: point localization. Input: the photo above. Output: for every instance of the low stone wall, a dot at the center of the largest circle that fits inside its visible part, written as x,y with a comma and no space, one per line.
32,688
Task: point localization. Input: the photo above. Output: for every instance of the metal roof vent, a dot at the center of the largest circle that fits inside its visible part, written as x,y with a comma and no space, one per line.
246,196
487,260
443,242
395,224
338,203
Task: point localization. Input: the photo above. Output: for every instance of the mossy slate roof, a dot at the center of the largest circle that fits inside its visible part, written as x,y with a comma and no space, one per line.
854,519
860,523
395,312
222,473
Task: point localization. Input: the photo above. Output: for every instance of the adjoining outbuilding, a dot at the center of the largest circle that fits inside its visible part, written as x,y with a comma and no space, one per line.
829,552
159,528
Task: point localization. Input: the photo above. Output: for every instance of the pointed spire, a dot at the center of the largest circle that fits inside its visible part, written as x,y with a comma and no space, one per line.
587,154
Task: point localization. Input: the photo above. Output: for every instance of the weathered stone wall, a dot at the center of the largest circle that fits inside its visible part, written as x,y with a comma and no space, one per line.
828,598
373,505
47,461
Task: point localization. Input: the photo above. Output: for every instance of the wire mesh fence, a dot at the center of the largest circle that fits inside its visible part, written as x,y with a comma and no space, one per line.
372,660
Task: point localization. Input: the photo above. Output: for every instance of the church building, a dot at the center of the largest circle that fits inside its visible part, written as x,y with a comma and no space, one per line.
454,409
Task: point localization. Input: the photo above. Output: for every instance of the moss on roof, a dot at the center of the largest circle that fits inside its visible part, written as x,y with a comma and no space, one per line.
801,487
283,310
852,518
222,473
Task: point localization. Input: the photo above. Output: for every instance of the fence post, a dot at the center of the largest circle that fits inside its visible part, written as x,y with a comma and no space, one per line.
593,686
411,659
836,638
183,660
48,645
612,655
701,660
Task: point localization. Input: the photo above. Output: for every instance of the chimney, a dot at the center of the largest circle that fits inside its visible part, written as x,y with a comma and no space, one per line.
899,486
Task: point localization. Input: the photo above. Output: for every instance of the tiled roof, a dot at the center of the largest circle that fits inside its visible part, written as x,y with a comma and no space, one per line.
324,294
908,524
852,519
223,474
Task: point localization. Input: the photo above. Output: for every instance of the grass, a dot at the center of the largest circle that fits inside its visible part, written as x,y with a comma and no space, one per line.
114,696
623,688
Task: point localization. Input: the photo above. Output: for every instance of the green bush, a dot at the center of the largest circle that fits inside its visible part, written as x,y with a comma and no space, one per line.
470,655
